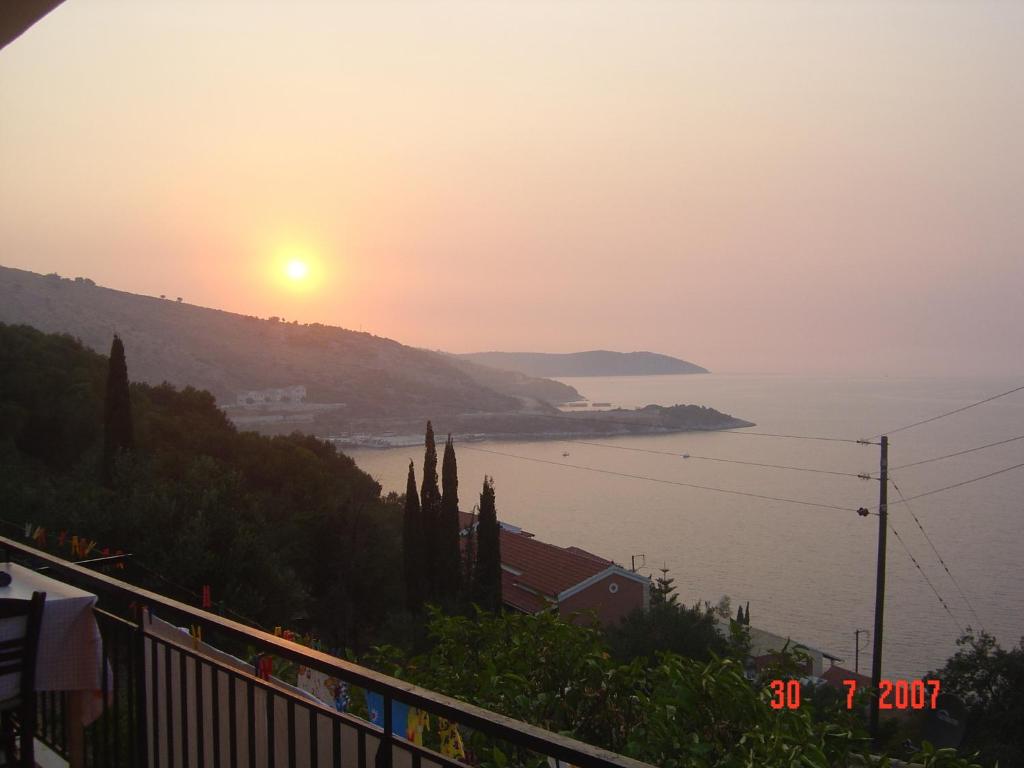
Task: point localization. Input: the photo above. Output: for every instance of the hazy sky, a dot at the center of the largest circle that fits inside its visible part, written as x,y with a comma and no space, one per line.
830,187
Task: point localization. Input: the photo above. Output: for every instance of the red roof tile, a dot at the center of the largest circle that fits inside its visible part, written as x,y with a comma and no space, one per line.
545,568
835,675
515,596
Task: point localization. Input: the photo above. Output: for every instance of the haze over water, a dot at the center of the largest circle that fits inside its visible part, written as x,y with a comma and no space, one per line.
807,572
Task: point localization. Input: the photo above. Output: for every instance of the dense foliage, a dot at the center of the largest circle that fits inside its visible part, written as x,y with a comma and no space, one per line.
990,681
285,530
673,712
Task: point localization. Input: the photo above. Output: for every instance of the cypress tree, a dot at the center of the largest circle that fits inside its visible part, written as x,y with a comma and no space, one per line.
430,514
746,615
488,557
469,557
448,554
412,545
117,412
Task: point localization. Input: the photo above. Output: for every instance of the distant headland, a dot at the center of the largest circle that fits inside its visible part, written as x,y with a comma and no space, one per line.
598,362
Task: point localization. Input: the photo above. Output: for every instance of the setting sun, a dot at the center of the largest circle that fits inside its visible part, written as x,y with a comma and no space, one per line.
296,269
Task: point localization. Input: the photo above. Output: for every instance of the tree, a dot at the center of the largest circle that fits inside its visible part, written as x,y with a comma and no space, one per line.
990,681
487,573
412,545
448,555
663,591
430,513
666,626
117,412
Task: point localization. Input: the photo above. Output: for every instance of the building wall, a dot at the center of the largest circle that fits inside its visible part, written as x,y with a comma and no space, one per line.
293,394
611,606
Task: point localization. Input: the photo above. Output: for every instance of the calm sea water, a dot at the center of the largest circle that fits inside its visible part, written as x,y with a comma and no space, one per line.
807,572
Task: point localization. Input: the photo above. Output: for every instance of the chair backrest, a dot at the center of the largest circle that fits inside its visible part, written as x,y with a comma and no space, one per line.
18,653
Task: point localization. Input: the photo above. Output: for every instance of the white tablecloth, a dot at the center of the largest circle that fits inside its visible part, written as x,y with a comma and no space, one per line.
70,647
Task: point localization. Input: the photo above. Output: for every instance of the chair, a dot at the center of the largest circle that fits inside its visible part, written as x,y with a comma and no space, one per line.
18,657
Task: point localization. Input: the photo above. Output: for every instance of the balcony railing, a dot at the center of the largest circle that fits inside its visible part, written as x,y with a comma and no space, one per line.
171,703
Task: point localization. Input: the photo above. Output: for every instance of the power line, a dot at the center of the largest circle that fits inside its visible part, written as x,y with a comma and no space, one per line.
660,480
956,410
196,595
959,453
936,551
711,458
795,437
925,577
136,563
957,485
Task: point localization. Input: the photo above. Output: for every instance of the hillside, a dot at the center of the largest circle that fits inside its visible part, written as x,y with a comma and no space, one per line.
227,353
593,363
329,381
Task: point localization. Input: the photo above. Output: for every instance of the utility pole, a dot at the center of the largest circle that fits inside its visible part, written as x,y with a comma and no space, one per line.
883,526
856,649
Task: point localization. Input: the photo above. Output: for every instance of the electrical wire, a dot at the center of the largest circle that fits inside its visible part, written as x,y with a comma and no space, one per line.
660,480
136,563
958,453
925,576
936,551
950,413
955,485
712,458
197,596
795,437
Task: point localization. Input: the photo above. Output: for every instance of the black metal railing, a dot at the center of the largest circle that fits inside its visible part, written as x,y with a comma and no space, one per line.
175,702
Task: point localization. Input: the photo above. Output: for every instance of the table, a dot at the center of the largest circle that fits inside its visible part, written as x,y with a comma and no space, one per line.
70,649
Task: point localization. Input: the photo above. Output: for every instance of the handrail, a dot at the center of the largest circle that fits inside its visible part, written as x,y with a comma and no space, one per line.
500,726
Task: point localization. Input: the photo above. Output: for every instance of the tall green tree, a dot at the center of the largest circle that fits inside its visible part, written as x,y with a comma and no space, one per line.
117,412
663,591
449,563
412,545
430,514
487,573
989,679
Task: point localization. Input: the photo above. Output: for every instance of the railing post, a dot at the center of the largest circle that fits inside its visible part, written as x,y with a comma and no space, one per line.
141,720
383,759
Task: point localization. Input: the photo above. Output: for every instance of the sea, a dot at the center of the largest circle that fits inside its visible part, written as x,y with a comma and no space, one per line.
954,558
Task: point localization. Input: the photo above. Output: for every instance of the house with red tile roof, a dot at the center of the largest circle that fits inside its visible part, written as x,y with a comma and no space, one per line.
537,576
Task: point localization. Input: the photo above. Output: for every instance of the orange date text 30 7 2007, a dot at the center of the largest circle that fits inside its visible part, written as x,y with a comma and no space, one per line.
892,694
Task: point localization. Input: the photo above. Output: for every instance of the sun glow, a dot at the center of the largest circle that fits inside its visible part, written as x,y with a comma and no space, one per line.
296,269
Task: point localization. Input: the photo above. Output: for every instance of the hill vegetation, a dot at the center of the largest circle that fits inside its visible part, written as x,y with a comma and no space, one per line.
287,531
283,529
356,384
227,353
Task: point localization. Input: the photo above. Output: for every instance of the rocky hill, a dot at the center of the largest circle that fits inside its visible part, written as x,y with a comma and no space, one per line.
280,377
229,354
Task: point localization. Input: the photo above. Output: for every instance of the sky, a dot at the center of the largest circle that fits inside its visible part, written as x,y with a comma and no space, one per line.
806,187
